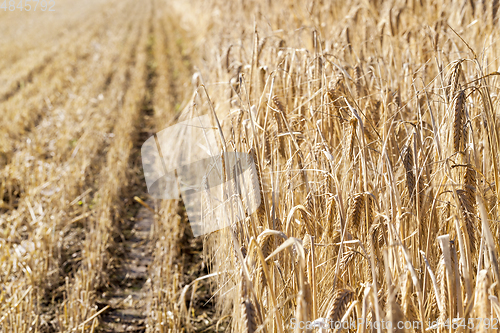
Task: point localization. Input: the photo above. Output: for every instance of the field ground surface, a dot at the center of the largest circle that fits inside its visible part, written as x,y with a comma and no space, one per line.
81,89
372,128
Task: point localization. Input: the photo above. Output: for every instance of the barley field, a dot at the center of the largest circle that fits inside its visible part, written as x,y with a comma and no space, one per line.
371,132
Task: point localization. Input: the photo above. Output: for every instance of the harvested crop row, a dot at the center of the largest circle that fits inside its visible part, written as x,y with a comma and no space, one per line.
56,223
113,176
92,145
163,270
172,267
56,136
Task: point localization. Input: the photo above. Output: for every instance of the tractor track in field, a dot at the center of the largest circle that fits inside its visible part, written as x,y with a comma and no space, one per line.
127,294
118,76
128,297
